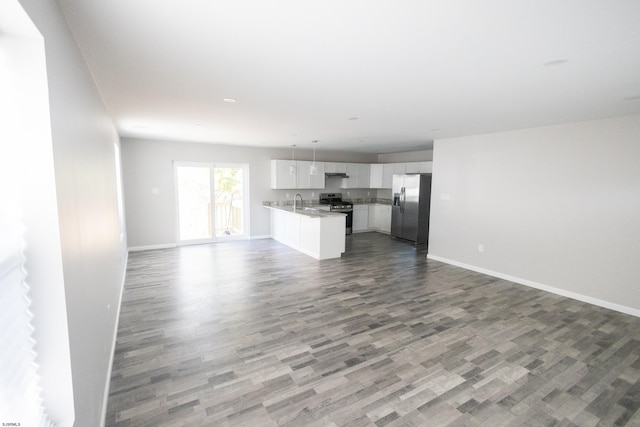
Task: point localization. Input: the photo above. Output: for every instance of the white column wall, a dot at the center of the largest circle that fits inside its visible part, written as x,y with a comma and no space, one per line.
555,207
93,251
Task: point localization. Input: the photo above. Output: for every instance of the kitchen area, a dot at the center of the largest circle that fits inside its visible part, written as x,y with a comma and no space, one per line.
361,195
150,195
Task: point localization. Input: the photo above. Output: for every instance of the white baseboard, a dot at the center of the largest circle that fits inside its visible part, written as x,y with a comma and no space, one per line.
105,400
149,247
584,298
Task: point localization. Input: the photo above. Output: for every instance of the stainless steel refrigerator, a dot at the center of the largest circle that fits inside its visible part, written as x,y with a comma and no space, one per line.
410,207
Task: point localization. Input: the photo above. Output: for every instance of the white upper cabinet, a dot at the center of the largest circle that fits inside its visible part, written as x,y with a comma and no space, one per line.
419,167
358,174
390,169
375,175
364,175
281,176
354,176
305,179
335,167
361,175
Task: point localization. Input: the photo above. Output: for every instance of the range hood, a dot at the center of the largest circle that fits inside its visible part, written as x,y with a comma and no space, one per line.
336,175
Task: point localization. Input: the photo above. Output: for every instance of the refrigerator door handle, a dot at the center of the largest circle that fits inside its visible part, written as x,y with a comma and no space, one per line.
403,198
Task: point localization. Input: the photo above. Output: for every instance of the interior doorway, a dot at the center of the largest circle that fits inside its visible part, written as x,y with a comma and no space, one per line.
212,202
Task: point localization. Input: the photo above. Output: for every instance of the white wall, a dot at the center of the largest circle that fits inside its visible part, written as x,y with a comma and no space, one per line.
28,207
555,207
148,164
93,254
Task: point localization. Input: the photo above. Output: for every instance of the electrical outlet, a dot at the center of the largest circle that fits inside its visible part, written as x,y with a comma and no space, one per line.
348,193
313,194
480,247
368,193
287,195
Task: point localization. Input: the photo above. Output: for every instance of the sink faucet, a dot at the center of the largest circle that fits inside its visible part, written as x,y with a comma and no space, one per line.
295,199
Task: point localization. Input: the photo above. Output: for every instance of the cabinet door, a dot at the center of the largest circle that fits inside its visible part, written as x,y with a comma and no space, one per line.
364,171
280,174
317,180
375,175
373,217
292,229
426,167
335,167
384,218
387,175
304,178
419,167
353,174
360,218
399,168
277,225
389,170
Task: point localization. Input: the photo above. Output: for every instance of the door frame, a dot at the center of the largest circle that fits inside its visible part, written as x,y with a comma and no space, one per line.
246,209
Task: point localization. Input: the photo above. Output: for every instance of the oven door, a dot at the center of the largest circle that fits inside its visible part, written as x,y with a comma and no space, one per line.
349,225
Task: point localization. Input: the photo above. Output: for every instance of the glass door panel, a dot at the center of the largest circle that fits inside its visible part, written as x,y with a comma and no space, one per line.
194,202
228,201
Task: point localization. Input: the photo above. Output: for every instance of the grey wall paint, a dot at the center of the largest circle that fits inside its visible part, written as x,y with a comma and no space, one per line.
148,164
93,254
558,206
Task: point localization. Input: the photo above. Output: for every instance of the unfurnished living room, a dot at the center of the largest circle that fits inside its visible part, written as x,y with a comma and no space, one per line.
380,213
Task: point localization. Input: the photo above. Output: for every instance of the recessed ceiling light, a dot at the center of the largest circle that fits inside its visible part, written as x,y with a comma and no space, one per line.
140,127
230,100
199,125
353,118
434,129
555,62
632,98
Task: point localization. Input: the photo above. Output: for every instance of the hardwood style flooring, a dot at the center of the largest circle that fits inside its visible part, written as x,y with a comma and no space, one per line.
254,333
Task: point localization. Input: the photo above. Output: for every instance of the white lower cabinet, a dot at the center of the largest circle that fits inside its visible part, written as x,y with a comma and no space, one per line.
380,218
360,218
320,237
384,217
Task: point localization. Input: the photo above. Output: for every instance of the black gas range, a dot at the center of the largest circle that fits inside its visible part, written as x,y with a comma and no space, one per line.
336,204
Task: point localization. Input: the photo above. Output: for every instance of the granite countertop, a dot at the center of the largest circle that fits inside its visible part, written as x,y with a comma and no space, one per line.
306,211
315,204
370,201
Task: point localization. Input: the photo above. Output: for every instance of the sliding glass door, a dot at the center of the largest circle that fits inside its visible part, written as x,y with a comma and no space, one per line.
228,202
211,202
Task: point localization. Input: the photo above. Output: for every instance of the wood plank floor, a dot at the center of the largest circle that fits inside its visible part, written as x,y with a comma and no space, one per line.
256,334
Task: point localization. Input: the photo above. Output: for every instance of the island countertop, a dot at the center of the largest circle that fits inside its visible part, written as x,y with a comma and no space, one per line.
312,212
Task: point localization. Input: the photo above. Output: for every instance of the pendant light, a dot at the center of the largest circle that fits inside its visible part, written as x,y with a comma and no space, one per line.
292,168
313,170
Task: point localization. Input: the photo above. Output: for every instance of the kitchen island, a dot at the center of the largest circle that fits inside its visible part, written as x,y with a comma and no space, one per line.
317,233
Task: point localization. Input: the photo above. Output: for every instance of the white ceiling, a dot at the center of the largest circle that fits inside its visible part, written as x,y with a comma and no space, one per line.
410,71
